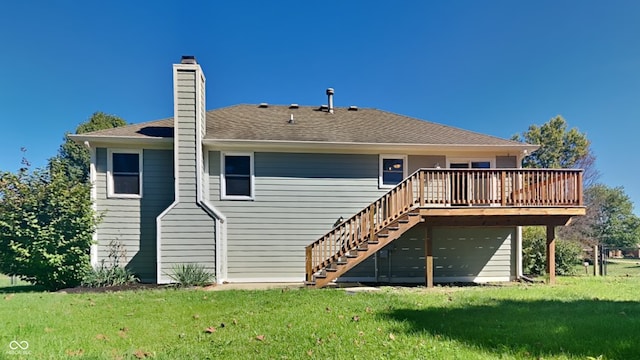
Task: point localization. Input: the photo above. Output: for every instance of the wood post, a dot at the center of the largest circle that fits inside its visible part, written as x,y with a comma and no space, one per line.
503,188
421,188
580,189
596,260
428,249
309,266
551,253
372,227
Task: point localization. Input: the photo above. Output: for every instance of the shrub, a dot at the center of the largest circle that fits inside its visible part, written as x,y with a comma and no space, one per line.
108,276
191,275
534,253
46,226
113,273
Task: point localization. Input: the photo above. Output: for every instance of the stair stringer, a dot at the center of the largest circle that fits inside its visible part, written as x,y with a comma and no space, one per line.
391,232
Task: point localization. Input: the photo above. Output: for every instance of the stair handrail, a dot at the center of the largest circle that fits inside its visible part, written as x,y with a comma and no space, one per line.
353,230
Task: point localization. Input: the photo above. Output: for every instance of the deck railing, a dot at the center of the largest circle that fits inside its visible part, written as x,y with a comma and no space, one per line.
447,187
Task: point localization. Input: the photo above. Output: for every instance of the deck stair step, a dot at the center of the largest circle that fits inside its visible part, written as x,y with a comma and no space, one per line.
356,253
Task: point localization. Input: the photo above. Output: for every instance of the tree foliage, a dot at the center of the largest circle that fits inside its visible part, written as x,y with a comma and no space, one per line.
534,246
46,216
609,219
613,220
559,147
46,226
75,157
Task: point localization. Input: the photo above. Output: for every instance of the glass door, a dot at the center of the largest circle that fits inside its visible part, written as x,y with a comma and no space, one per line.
459,184
470,187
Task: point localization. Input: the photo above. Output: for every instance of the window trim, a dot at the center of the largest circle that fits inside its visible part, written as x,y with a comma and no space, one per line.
223,178
383,157
110,185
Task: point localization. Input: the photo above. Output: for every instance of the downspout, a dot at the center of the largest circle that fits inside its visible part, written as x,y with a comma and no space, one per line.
519,257
93,249
221,220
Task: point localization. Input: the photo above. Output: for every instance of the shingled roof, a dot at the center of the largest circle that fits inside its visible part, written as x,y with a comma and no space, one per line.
273,123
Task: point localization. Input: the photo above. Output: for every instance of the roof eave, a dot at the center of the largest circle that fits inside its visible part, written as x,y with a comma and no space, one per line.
524,149
325,145
122,140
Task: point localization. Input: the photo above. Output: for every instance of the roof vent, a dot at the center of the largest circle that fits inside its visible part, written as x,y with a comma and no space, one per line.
324,107
353,108
291,121
294,106
330,93
263,105
188,59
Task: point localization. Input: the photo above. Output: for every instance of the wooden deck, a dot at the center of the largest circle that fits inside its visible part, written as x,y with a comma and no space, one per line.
448,197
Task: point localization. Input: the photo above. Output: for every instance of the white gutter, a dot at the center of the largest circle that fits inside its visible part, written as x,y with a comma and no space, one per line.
327,145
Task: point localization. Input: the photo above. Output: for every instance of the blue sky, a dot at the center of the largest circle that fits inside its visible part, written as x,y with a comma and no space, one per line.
490,66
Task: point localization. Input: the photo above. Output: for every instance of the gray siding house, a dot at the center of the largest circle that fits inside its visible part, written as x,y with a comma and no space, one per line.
244,190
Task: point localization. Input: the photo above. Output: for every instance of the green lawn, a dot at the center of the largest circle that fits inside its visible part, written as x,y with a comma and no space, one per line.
6,281
615,268
580,317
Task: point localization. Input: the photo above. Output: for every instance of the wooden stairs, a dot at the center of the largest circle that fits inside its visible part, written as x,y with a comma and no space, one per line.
354,240
352,257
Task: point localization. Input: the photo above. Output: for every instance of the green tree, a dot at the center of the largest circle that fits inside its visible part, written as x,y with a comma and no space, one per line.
610,212
534,252
75,157
559,147
46,226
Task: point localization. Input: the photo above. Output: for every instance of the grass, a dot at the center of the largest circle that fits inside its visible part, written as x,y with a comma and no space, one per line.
580,317
615,268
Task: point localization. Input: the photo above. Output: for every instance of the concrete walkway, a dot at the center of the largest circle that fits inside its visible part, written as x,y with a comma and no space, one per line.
349,287
254,286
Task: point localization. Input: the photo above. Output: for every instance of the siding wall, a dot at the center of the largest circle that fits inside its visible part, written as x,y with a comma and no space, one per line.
132,222
298,198
463,254
506,162
416,162
473,254
187,231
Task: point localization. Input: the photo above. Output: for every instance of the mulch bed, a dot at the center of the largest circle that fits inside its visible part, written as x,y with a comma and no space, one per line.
128,287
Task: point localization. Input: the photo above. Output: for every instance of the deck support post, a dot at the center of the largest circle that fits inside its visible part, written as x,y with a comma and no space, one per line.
596,260
551,254
308,263
428,248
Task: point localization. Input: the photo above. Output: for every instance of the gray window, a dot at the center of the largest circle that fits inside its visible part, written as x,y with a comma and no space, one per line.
237,176
126,173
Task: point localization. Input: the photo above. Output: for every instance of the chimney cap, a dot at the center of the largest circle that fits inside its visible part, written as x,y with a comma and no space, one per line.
188,59
329,91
